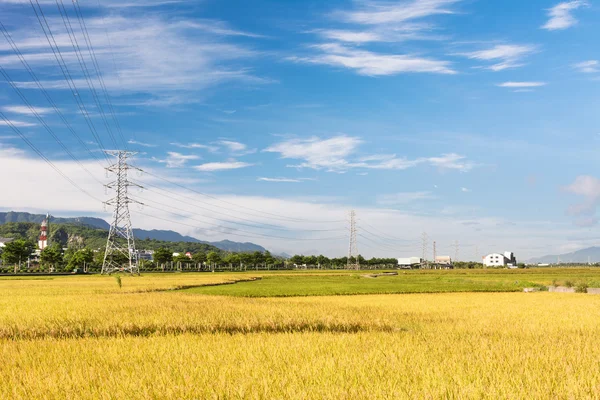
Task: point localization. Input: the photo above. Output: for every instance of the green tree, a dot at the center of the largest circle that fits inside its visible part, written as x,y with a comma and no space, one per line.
80,258
298,260
199,257
181,258
17,251
246,259
214,259
269,259
52,256
258,258
163,255
322,260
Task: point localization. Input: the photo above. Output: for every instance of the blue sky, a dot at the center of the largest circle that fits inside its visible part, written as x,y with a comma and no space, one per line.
473,121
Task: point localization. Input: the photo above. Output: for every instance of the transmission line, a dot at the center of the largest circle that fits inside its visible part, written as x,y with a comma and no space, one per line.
250,234
44,91
43,157
271,215
45,125
84,67
229,221
66,73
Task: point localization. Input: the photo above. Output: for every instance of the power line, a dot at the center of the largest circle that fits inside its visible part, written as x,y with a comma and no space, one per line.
229,221
43,157
66,73
90,47
83,65
249,234
44,91
256,212
41,120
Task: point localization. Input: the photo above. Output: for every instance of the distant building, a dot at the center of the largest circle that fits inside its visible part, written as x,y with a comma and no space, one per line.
443,261
3,241
188,255
409,262
147,255
500,260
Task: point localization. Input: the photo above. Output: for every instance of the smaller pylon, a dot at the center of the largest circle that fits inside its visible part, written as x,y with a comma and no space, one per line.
353,261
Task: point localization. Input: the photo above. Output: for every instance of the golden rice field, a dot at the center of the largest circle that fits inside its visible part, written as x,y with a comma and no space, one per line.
86,338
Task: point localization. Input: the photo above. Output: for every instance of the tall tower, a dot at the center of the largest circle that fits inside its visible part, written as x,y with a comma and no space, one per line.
353,248
120,254
44,240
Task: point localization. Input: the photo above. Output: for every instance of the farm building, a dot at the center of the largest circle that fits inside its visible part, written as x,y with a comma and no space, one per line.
500,260
409,262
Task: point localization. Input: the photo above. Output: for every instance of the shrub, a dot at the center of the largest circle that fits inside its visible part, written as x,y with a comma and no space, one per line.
569,284
581,287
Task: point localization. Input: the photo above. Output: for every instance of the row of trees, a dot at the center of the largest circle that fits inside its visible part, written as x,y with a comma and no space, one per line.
18,254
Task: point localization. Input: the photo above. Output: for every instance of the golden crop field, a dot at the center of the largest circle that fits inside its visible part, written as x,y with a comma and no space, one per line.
86,338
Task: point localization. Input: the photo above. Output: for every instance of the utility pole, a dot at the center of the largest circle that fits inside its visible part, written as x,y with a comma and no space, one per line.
120,240
353,248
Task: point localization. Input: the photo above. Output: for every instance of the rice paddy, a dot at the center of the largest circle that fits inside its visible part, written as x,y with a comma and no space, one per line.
84,337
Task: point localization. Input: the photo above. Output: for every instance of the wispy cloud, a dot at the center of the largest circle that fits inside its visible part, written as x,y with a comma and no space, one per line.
374,13
135,142
465,190
189,146
561,15
404,198
588,187
521,84
26,110
338,154
154,55
370,63
318,153
176,160
505,55
233,146
290,180
588,67
18,124
222,166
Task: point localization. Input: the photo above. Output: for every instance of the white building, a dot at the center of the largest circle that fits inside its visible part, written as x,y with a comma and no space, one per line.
3,241
409,262
500,260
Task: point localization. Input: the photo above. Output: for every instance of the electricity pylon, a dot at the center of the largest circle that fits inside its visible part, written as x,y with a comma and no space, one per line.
353,248
120,242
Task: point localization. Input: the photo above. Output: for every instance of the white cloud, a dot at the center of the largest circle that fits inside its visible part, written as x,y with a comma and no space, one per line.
588,67
561,15
521,84
350,36
334,155
290,180
18,124
588,187
135,142
318,153
222,166
212,149
528,239
508,56
374,13
177,160
404,198
26,110
235,147
153,55
373,64
465,190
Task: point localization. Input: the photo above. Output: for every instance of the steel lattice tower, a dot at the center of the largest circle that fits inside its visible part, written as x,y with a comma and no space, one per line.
120,242
353,248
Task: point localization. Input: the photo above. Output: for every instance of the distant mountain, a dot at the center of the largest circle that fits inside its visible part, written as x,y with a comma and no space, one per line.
591,254
12,216
142,234
237,247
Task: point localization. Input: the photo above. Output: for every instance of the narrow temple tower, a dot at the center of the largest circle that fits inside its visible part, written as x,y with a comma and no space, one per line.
44,233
